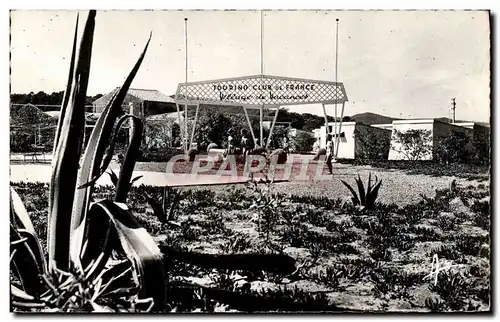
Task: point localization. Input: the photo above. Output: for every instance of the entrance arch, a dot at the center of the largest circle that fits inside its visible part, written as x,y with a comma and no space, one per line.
258,92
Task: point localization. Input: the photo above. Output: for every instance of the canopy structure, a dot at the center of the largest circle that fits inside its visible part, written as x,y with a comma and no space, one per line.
257,92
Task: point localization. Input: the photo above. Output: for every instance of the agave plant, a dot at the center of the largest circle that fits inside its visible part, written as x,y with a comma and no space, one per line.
364,198
114,179
95,249
164,208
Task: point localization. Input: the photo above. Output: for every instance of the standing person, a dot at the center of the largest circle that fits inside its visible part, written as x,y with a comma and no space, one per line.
329,152
286,146
316,146
230,144
244,143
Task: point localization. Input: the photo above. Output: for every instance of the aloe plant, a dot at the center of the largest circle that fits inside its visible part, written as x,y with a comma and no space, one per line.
82,235
364,198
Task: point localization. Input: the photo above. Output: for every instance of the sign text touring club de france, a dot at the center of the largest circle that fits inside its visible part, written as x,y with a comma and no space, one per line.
263,91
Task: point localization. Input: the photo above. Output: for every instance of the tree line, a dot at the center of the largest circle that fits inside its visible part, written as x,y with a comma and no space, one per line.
42,98
305,121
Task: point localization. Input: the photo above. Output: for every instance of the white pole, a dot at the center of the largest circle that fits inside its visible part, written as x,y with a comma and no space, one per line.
249,124
194,126
337,133
326,119
340,128
261,44
178,117
185,143
272,127
261,141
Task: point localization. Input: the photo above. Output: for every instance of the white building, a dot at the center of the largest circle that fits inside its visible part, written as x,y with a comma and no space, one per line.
387,126
349,146
437,130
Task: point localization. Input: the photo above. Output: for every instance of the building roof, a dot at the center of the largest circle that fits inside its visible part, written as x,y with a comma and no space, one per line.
150,95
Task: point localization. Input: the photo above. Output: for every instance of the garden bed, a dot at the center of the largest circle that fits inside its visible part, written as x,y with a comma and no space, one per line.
346,258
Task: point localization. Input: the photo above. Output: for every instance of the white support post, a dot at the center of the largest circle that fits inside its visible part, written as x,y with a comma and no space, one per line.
249,124
326,119
335,133
272,127
340,128
326,123
186,128
179,121
261,141
178,114
194,126
185,142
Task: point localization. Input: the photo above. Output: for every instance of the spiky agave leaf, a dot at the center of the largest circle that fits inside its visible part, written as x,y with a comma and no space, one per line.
112,225
158,210
21,296
113,177
27,257
93,157
108,157
127,168
67,154
372,196
67,92
361,189
354,198
21,299
369,185
135,179
106,160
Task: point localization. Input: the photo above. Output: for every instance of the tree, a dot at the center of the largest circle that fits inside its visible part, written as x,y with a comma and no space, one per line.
413,144
304,141
456,148
42,98
212,127
374,144
158,135
280,136
304,121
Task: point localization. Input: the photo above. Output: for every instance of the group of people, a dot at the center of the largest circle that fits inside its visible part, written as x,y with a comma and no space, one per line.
328,151
245,146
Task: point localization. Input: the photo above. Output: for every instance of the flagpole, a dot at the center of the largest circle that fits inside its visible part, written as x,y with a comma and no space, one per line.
261,141
185,87
336,80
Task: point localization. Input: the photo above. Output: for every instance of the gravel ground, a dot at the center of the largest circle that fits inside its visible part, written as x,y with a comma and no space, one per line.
397,186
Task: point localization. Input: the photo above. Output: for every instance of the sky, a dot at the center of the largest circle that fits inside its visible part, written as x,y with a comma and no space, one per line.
404,64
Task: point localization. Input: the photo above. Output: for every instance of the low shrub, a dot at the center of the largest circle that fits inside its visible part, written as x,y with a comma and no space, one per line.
158,155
